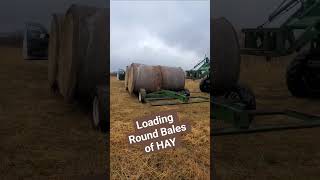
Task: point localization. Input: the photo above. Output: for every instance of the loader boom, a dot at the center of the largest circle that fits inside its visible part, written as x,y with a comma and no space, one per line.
301,28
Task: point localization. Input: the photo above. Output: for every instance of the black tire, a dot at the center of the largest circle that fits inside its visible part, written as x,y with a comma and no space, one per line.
186,92
205,84
100,118
243,94
295,76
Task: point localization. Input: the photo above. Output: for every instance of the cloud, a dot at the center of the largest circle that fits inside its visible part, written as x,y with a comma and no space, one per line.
15,13
159,33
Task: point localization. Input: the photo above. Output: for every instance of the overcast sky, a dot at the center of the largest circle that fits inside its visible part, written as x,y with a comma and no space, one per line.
14,13
172,33
175,33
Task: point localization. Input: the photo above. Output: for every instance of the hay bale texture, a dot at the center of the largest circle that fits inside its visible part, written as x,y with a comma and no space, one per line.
226,56
84,61
94,67
54,49
154,78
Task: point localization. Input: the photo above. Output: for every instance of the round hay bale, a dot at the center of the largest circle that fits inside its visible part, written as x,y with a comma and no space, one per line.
94,66
226,56
154,78
131,75
54,47
172,78
73,48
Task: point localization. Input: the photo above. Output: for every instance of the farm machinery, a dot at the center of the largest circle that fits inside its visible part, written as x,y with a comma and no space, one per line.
200,70
301,29
234,104
159,85
121,74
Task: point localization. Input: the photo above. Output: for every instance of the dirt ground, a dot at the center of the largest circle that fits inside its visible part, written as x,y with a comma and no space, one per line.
41,136
192,161
292,154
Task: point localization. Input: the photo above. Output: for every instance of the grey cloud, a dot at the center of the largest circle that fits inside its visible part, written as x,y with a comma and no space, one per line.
166,33
14,13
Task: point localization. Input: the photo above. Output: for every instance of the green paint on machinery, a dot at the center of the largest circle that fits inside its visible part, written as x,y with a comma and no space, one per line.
182,97
234,111
242,120
200,70
301,30
273,42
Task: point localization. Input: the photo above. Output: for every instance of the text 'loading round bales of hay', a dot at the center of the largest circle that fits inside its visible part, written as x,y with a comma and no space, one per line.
161,131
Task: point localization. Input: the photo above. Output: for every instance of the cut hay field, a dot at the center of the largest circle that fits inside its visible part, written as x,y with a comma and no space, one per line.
42,137
191,161
293,154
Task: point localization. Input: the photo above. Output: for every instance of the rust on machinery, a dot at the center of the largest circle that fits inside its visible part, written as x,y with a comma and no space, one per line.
154,78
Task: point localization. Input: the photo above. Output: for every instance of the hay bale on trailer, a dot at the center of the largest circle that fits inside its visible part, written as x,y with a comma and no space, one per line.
94,67
155,78
84,60
54,50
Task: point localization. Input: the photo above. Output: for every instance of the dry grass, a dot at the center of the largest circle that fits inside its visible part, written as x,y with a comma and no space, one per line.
189,162
282,155
41,136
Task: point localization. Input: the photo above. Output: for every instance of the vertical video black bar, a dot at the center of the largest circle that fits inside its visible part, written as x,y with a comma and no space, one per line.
108,93
212,142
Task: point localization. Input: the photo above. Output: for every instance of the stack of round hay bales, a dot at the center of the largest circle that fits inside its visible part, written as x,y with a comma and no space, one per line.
95,66
83,60
154,78
54,47
226,56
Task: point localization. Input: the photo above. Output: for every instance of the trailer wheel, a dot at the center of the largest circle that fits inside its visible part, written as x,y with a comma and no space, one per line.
142,95
100,119
295,77
243,94
186,92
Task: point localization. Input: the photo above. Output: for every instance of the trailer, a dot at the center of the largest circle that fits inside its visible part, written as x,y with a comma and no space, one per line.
159,85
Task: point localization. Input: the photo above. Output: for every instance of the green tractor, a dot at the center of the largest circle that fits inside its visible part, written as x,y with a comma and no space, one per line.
201,71
300,33
233,105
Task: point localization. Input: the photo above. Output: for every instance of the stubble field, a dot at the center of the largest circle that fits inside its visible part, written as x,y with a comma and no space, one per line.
191,161
41,136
